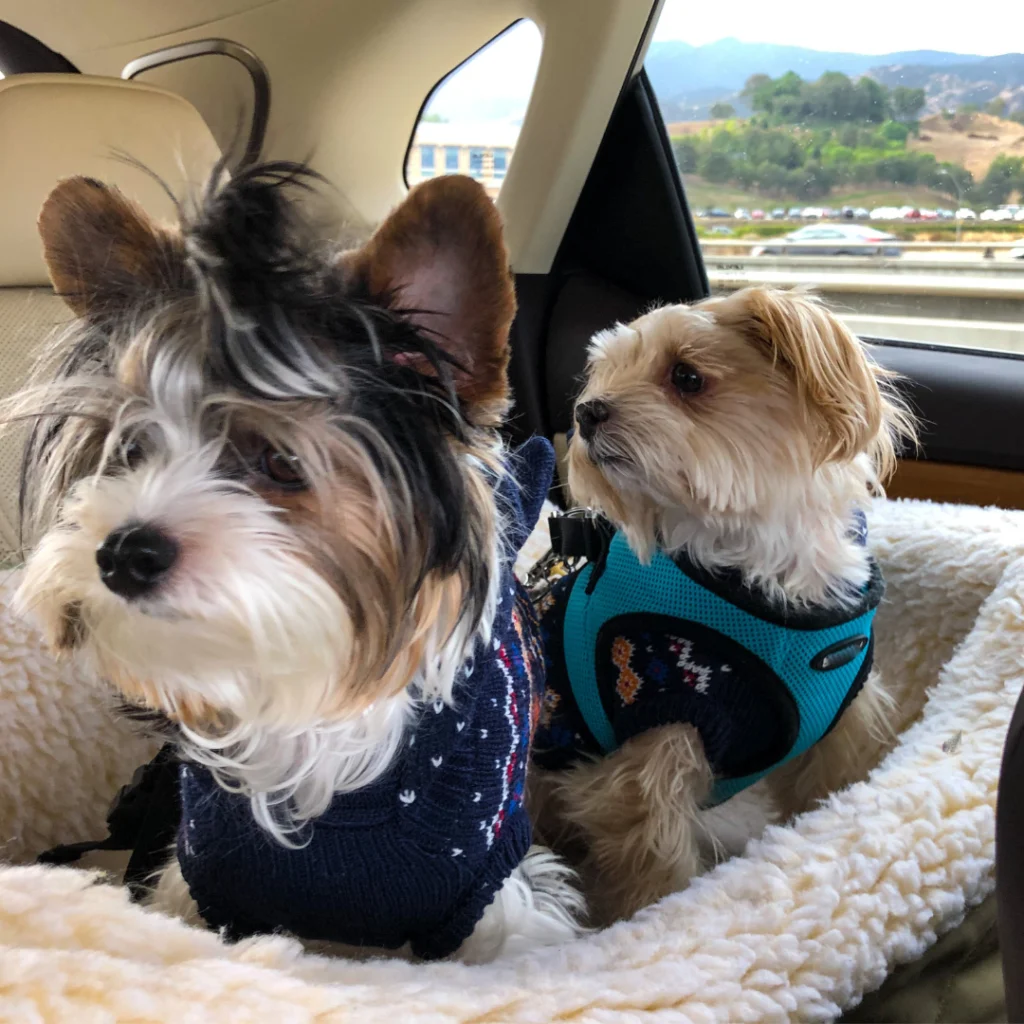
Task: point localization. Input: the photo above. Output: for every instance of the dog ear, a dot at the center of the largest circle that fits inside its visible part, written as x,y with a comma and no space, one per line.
101,250
834,376
440,259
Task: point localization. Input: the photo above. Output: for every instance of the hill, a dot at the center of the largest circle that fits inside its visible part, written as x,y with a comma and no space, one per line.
972,141
688,79
952,85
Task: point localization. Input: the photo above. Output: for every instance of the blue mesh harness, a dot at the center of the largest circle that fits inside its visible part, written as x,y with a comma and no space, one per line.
645,645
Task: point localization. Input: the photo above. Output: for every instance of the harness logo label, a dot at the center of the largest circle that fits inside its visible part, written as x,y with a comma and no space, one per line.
839,654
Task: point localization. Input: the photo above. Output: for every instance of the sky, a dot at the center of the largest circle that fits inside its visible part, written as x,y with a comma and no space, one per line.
496,85
984,27
496,82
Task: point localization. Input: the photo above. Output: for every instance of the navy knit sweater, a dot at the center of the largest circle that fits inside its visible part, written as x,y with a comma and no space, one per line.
417,856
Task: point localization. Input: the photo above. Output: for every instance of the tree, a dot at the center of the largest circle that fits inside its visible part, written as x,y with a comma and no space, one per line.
872,101
817,181
948,177
753,83
790,84
1005,176
996,107
1017,115
810,161
744,173
894,131
968,109
716,168
771,178
832,97
687,155
906,103
722,111
848,136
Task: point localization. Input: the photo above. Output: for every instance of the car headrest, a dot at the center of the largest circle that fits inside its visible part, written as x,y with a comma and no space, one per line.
122,133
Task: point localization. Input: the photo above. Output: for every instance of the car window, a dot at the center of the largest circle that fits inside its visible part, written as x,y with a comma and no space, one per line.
887,123
470,122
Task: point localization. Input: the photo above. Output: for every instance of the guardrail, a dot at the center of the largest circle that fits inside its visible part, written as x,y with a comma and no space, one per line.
966,264
778,243
869,282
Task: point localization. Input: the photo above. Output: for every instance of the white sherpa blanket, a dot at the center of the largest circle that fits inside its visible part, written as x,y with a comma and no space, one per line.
811,918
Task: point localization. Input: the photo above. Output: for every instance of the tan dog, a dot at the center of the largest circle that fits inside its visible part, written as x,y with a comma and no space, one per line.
741,437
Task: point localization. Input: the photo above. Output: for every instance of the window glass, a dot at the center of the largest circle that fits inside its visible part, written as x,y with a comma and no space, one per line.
903,134
427,160
473,116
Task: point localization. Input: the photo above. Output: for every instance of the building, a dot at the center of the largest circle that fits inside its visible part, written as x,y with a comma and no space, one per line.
483,151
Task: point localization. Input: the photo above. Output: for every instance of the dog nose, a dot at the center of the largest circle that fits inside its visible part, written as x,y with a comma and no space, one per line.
590,415
135,558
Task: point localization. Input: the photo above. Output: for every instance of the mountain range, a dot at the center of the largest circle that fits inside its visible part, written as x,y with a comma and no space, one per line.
970,80
689,79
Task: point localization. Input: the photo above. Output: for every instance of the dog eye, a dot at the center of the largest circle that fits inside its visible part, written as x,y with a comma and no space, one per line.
283,468
133,453
686,380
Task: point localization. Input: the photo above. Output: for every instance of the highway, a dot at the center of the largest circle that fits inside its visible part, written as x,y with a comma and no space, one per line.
969,295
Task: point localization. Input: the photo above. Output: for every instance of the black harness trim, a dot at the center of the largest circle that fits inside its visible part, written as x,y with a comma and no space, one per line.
143,818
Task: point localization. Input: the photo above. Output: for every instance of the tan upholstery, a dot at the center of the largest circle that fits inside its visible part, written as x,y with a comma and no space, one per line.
56,126
53,127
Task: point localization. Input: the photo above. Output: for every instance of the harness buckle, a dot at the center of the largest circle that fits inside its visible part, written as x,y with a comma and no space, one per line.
578,535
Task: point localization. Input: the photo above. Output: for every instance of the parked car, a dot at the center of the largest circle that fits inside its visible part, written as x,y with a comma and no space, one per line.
996,215
757,215
811,212
860,213
966,213
720,229
885,213
831,240
1019,215
944,214
795,212
1018,253
717,211
778,213
741,213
